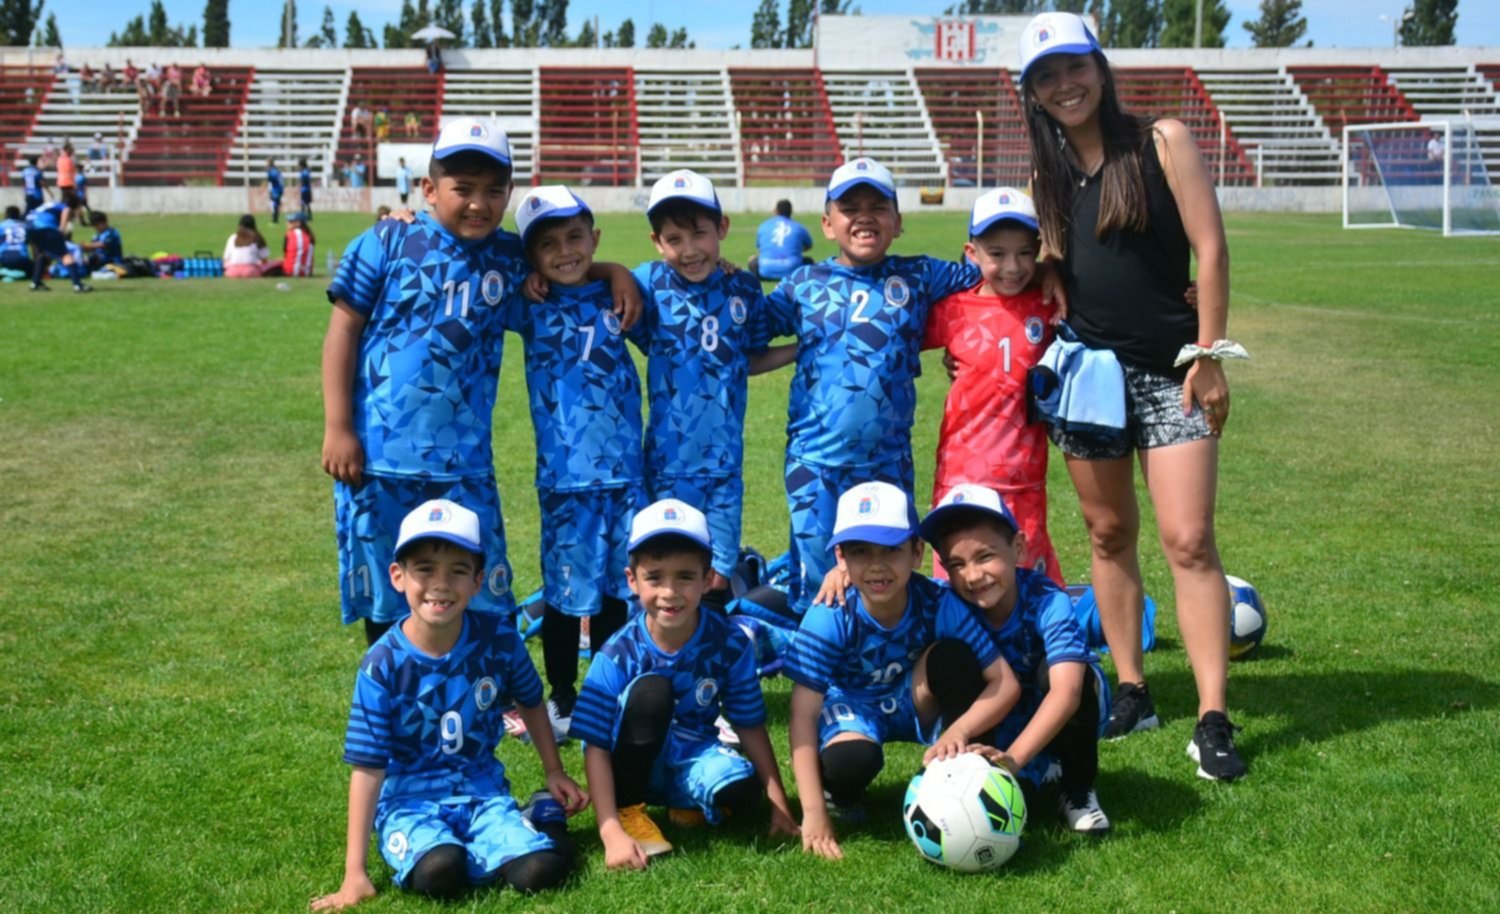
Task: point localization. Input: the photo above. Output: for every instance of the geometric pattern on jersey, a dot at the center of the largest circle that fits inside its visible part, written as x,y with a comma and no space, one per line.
584,543
721,500
712,674
691,769
995,340
429,355
583,388
13,237
432,723
366,521
891,720
812,496
871,664
1030,508
698,338
859,335
492,832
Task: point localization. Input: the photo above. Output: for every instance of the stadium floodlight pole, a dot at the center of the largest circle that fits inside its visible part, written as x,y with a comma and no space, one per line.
1198,27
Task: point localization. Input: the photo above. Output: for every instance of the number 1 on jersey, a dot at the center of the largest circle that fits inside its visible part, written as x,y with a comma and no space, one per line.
449,289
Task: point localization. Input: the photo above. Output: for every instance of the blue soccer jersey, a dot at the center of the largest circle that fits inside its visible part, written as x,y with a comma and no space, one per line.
698,338
432,723
273,181
844,648
713,673
1041,631
13,238
304,179
32,181
111,248
859,332
429,357
48,215
584,389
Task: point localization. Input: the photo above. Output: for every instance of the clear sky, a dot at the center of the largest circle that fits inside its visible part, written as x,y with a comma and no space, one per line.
725,23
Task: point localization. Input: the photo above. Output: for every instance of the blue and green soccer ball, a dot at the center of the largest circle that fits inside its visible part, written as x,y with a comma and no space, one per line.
965,814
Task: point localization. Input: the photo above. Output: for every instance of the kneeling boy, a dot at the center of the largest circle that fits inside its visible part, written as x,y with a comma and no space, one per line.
423,727
900,660
1063,690
649,701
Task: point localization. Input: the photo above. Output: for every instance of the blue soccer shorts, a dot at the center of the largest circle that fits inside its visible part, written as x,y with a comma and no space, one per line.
49,241
812,497
721,500
892,719
691,769
492,831
367,520
1026,708
584,540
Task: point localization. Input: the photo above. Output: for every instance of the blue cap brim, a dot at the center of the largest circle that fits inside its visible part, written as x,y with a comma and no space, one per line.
1074,48
879,535
453,538
977,230
566,212
927,530
703,541
471,147
838,191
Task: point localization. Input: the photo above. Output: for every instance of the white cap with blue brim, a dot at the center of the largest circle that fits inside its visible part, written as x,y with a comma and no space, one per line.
1000,205
966,497
472,134
550,201
441,519
684,184
861,171
1054,33
874,512
669,517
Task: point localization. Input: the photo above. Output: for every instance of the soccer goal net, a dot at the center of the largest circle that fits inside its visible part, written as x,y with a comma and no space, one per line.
1427,174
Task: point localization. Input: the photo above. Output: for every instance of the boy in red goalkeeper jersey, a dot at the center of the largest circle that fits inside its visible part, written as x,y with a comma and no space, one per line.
994,334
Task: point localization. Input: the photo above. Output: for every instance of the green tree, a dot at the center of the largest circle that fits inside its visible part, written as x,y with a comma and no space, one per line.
48,36
1182,22
765,26
996,7
839,8
587,37
216,24
1429,23
524,29
18,20
656,36
288,25
479,26
398,34
356,36
1281,24
497,24
153,30
625,35
552,23
679,39
1131,24
799,24
327,35
449,14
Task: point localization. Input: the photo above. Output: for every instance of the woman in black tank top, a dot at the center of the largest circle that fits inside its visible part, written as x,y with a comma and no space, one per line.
1121,201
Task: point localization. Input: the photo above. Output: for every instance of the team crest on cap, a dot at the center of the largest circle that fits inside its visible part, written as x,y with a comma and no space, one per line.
535,204
958,498
477,131
868,504
1042,34
737,311
438,515
680,182
1005,199
861,165
1033,330
669,514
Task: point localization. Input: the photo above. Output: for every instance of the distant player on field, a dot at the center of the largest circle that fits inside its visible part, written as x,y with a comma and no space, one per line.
274,188
781,245
304,186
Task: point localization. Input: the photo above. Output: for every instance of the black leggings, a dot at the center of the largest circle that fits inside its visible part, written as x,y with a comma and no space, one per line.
443,872
644,726
560,643
1076,745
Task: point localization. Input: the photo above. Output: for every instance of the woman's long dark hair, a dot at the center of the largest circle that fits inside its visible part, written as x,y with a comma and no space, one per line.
1122,199
247,234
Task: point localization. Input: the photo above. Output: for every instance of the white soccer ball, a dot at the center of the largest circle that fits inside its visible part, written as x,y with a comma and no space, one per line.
965,814
1247,618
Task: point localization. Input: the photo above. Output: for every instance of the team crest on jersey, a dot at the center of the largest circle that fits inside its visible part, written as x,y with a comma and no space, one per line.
612,323
737,310
499,581
438,515
705,691
1033,330
897,292
485,692
492,287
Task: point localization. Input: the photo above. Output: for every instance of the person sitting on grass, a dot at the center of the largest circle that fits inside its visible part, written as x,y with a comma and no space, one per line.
426,718
647,710
246,255
106,249
297,255
15,256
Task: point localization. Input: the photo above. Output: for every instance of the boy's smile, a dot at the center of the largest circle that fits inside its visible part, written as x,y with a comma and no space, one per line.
863,223
670,589
692,252
880,573
563,250
982,568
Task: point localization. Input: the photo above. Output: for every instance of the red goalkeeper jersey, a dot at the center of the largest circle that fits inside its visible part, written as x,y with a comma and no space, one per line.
985,437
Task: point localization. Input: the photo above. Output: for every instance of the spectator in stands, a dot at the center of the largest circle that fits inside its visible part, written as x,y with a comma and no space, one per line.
171,92
15,255
297,254
107,78
153,73
357,117
106,248
203,84
67,176
145,86
1122,201
87,80
382,125
413,125
98,151
780,244
403,180
358,172
245,253
434,58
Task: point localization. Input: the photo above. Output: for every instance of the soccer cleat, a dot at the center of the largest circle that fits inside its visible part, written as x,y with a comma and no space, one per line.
1212,747
515,727
638,825
83,288
845,813
1081,810
687,818
542,809
1131,712
727,736
40,287
560,713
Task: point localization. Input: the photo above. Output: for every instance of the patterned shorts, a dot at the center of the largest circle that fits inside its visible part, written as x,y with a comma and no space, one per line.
492,831
812,497
584,540
1153,418
721,500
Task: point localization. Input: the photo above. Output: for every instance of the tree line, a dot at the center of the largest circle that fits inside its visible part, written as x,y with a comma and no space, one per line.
774,24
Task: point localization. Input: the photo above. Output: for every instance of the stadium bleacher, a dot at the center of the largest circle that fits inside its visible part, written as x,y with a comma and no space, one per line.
1284,139
397,90
686,120
288,114
1176,92
587,125
881,113
509,96
191,147
952,99
1455,92
67,113
23,90
787,134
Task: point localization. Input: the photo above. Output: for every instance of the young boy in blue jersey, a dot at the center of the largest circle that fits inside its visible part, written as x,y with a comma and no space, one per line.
1064,694
33,183
423,727
585,397
15,255
274,188
410,367
703,332
107,247
304,185
653,691
859,319
47,232
903,660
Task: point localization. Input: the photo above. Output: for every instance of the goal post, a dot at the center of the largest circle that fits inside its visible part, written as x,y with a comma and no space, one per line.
1428,174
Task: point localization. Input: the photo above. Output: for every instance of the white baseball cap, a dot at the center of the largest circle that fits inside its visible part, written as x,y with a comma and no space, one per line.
472,134
861,171
550,201
1054,33
668,516
998,205
966,497
874,512
684,184
441,519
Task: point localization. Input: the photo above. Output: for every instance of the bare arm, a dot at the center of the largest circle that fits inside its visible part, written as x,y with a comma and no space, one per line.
773,358
1000,693
364,790
623,288
620,850
562,787
1064,693
756,744
343,458
817,830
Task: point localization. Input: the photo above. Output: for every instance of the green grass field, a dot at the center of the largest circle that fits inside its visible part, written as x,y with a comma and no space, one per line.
177,681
